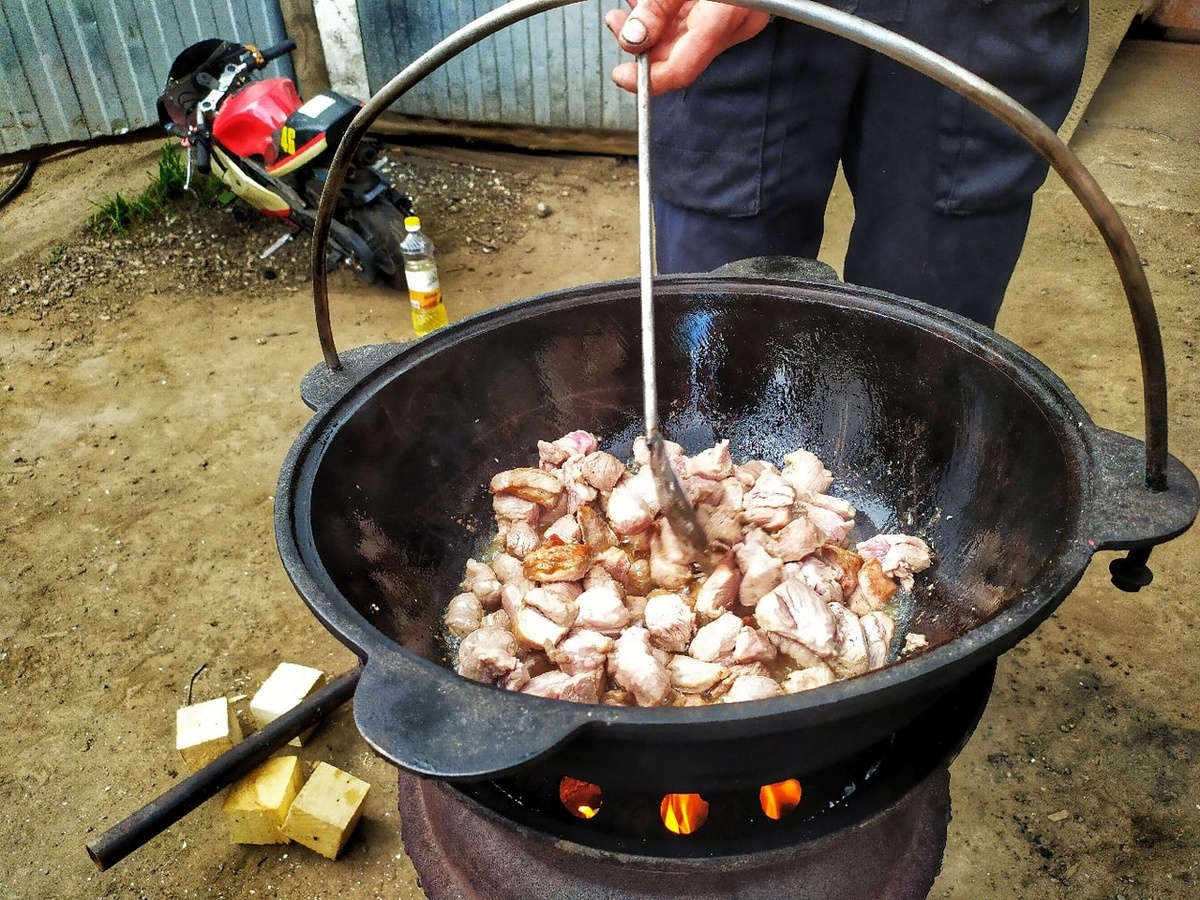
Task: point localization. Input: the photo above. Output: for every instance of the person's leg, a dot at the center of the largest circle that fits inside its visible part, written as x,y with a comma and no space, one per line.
943,190
743,161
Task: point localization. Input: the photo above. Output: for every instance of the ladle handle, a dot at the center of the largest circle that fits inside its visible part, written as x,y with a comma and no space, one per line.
874,37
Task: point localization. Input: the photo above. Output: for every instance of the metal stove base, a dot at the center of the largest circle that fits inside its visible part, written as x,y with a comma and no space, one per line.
463,853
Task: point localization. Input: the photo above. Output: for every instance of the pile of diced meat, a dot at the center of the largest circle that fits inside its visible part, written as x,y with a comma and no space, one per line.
587,594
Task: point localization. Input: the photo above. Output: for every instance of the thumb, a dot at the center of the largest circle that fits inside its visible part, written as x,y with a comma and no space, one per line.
647,22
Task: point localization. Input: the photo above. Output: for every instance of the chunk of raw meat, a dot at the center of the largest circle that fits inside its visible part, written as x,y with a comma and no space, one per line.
564,530
482,581
794,612
900,555
797,539
578,443
487,655
752,687
535,485
722,523
835,527
511,508
719,591
560,562
534,629
596,532
751,647
559,608
670,561
878,628
582,651
613,562
464,614
584,687
603,470
628,512
715,463
851,658
717,639
823,578
808,678
635,668
507,568
761,572
670,621
847,562
875,587
692,676
806,472
768,504
521,539
551,455
601,608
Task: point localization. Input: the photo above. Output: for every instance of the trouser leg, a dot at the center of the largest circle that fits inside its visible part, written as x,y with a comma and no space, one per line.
736,172
943,190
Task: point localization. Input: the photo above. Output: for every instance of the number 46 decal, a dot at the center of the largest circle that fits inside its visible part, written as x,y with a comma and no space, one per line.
287,139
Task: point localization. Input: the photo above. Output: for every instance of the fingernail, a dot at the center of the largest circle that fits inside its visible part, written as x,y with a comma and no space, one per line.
633,32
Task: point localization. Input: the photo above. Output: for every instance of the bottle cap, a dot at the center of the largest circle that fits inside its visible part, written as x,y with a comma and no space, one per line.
412,223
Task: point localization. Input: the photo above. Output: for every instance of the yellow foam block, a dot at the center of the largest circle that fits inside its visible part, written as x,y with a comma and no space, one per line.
324,813
203,731
257,804
284,689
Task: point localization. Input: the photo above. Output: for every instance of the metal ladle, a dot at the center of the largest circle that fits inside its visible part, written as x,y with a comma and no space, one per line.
671,497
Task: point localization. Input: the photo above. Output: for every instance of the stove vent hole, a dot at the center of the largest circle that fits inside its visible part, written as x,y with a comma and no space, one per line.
683,813
780,798
581,798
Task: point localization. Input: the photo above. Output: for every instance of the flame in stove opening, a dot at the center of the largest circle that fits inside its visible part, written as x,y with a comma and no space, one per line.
779,799
581,798
683,813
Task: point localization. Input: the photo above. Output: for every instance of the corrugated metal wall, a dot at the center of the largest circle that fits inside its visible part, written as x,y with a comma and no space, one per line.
71,70
551,70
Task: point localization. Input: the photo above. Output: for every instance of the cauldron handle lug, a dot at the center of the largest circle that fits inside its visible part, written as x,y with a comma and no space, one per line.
444,726
1126,514
324,386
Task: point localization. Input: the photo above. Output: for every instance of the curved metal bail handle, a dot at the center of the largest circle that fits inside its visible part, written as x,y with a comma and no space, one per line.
1064,161
1043,139
445,50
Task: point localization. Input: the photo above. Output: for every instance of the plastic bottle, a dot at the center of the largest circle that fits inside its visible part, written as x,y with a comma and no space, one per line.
421,276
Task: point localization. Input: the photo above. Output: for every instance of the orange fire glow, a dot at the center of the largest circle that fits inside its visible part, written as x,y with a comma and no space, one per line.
581,798
683,813
779,799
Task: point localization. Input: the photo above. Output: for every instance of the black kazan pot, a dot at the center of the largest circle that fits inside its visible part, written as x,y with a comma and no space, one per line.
931,424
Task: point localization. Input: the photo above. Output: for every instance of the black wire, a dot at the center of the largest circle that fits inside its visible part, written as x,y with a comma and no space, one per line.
18,183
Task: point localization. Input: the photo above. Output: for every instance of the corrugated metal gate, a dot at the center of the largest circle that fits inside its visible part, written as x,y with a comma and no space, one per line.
551,70
71,70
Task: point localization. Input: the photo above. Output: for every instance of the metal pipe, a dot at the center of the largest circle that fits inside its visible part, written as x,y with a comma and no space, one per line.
156,816
1043,139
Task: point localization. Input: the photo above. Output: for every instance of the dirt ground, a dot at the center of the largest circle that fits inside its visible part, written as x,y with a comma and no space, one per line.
149,389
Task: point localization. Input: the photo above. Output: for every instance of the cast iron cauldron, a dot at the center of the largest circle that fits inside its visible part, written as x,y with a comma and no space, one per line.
932,424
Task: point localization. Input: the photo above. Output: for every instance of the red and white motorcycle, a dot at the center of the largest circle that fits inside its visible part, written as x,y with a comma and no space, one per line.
273,151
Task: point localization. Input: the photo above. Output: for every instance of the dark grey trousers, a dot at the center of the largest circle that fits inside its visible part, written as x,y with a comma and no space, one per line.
744,160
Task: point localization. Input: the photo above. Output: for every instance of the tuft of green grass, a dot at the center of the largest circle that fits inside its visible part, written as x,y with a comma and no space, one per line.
118,214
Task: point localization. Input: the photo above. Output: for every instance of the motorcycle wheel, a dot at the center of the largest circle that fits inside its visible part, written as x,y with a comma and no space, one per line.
381,224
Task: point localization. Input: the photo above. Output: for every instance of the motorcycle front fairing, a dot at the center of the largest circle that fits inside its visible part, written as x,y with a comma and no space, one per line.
249,122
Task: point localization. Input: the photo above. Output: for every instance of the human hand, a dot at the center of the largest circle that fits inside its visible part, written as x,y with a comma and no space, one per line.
681,36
